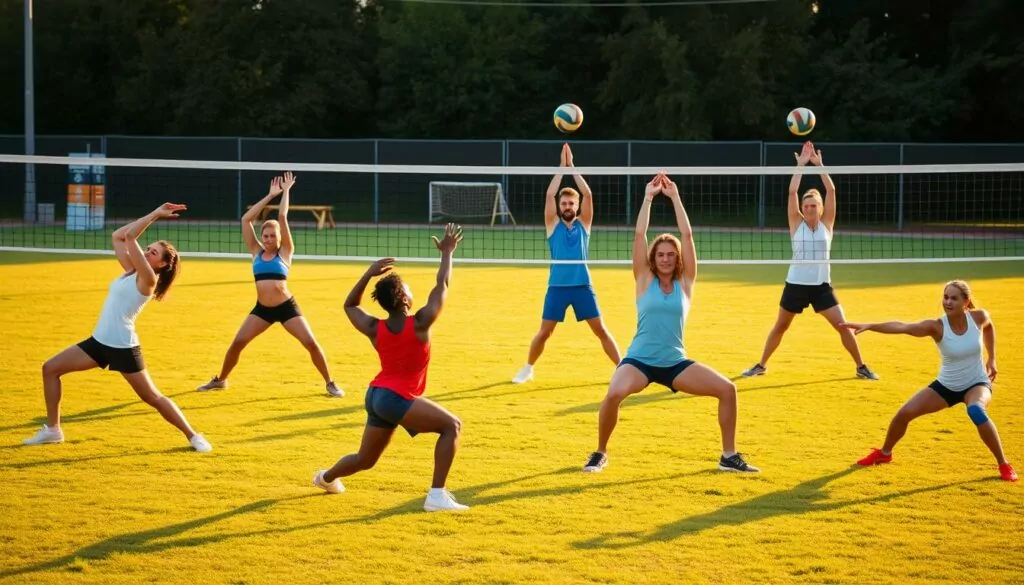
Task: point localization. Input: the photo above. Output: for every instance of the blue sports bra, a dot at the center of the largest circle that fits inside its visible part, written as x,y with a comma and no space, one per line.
273,269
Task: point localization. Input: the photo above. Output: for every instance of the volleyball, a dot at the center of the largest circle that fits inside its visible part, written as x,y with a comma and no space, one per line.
568,118
800,121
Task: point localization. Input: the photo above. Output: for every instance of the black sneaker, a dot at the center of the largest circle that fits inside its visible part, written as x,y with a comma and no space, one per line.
597,462
863,371
754,370
736,463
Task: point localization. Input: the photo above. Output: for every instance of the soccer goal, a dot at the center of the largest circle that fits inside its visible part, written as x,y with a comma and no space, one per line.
453,200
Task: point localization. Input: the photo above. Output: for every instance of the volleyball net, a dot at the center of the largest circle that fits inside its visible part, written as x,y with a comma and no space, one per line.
907,213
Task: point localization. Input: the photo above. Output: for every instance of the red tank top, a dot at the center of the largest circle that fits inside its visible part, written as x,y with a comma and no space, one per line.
403,360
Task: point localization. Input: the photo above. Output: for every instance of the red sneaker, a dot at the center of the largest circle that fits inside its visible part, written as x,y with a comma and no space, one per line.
1007,473
875,457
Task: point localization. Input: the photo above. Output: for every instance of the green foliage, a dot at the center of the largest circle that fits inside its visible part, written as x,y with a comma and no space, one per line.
871,70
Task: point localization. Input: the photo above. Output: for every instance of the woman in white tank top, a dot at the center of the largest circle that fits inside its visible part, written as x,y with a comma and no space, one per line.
963,375
114,343
811,221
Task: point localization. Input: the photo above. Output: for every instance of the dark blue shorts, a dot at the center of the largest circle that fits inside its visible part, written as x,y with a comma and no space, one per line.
954,397
385,409
663,376
582,298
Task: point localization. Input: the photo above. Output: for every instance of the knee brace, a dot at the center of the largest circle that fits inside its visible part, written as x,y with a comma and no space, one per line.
977,414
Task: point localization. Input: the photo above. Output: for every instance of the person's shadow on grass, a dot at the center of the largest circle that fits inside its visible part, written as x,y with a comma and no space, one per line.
803,498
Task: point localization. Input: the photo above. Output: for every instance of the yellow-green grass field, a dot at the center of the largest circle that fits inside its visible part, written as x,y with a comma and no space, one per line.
125,500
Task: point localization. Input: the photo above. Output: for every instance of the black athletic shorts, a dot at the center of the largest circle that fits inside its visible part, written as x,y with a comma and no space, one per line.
661,375
279,314
954,397
127,360
796,297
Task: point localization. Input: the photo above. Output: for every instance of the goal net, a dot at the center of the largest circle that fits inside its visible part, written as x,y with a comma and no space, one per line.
459,201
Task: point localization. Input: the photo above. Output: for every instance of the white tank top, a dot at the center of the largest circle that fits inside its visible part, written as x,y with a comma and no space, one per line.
962,365
810,244
116,327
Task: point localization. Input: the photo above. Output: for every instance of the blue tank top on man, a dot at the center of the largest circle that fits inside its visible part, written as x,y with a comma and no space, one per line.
661,319
569,243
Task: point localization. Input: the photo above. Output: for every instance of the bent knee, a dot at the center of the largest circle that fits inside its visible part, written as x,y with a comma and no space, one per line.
454,426
50,368
311,345
726,390
977,413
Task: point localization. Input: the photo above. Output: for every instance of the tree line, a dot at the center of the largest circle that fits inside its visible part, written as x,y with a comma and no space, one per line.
872,70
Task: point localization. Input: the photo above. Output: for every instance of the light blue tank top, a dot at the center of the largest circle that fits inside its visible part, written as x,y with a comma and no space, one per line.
569,244
659,329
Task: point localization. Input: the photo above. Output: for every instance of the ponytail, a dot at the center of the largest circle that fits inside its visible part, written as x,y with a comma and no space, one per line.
167,274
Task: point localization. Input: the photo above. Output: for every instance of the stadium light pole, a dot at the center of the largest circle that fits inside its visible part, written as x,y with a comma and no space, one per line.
30,120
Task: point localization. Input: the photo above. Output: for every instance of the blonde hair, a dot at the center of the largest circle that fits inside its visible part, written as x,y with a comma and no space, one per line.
813,194
270,223
677,273
568,192
965,290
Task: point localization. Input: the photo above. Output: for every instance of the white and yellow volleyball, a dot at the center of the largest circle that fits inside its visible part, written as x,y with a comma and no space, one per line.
568,118
800,121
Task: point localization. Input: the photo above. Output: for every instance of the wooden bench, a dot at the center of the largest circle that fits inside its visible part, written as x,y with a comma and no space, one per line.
324,214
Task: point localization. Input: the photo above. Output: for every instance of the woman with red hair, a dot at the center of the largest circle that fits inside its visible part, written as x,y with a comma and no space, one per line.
665,273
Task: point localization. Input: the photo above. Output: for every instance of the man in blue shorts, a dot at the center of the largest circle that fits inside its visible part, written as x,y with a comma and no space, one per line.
568,230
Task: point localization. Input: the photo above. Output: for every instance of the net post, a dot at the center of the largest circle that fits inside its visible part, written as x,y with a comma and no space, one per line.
504,178
899,202
629,179
30,118
760,190
376,182
238,180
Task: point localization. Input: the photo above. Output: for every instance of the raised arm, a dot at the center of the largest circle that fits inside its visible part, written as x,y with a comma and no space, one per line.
426,316
587,205
287,245
685,234
829,214
641,269
927,328
252,242
126,237
988,337
550,205
793,207
364,322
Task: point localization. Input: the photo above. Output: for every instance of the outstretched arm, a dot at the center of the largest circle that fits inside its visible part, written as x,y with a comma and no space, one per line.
643,221
829,214
587,204
685,235
126,242
550,204
927,328
793,207
364,322
287,245
248,231
426,316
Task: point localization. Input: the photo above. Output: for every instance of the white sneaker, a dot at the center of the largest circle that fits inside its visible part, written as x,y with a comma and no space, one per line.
334,391
199,443
442,501
334,487
215,383
525,375
45,436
